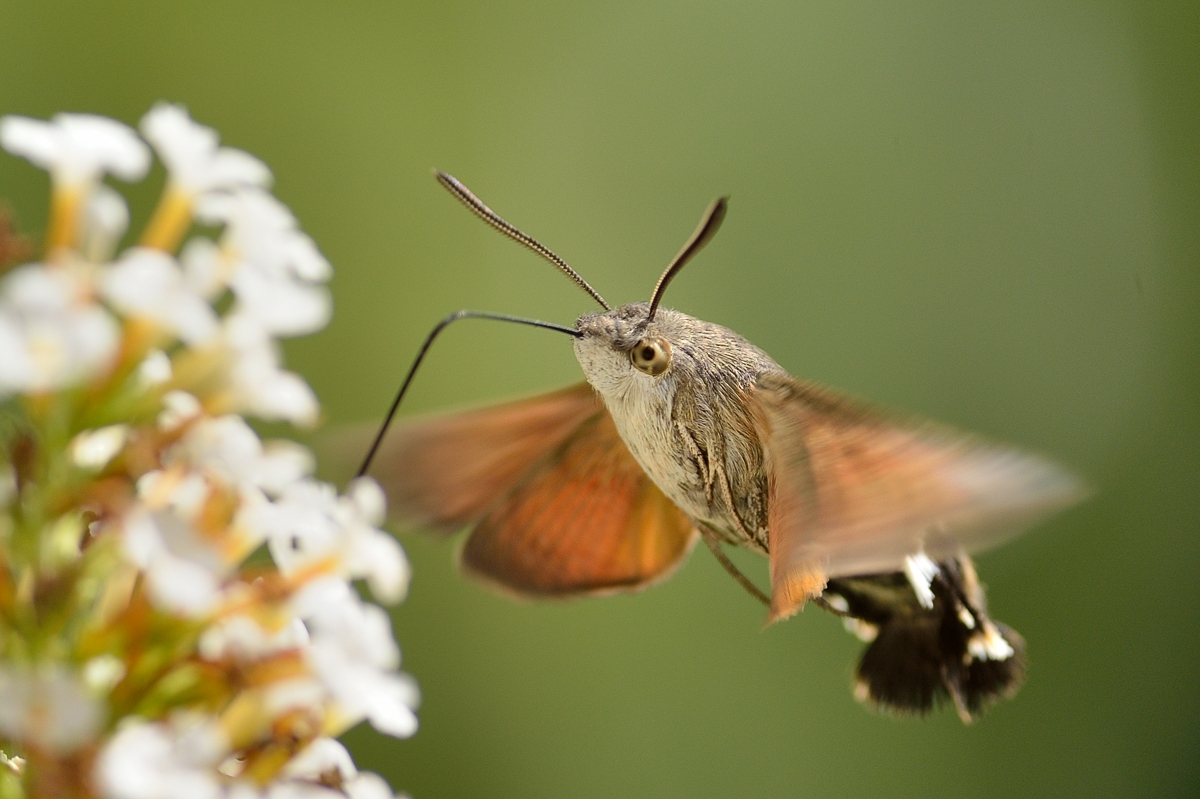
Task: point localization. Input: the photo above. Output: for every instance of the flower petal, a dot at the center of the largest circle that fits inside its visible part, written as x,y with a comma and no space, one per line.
77,148
190,151
149,283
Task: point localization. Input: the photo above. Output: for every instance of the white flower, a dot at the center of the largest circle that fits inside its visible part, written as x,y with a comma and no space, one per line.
368,785
195,163
184,565
242,638
261,230
297,693
332,611
354,656
15,764
311,523
260,387
178,407
149,283
326,762
51,333
182,572
301,527
272,267
371,552
283,462
321,757
49,709
77,148
155,369
368,500
93,449
283,307
206,268
228,449
155,761
103,672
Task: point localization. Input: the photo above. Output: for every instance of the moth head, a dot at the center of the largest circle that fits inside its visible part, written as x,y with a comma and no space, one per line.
620,350
637,338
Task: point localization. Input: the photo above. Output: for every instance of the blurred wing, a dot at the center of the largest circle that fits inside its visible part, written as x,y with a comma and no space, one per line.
586,520
854,492
446,471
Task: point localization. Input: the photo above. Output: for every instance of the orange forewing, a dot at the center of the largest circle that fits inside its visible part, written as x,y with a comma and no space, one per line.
853,491
586,520
446,471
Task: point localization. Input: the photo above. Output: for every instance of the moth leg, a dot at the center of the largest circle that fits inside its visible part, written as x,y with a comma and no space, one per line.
727,495
699,457
714,545
824,604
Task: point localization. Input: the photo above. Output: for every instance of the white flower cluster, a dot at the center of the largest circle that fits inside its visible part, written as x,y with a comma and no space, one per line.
160,350
54,327
179,760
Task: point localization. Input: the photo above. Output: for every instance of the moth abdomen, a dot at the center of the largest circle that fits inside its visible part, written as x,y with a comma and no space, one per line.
918,656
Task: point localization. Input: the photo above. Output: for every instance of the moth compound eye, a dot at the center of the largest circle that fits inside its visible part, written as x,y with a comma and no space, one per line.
651,355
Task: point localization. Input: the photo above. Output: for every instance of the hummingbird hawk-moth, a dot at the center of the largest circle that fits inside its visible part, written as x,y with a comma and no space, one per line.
684,430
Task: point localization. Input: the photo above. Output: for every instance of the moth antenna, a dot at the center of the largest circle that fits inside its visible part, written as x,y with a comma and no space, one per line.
412,370
709,223
477,206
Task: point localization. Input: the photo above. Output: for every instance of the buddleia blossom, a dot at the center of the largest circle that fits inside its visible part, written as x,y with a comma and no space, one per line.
178,616
78,150
52,332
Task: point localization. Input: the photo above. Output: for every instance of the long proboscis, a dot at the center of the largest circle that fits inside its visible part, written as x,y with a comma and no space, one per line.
412,370
709,224
480,209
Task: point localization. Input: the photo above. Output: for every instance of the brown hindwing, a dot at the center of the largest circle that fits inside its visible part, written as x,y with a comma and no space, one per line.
586,520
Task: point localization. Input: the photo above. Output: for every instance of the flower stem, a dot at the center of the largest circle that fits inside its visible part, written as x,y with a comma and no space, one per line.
63,228
170,221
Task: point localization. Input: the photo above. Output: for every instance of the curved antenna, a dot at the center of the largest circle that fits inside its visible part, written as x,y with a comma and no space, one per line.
477,206
412,370
709,223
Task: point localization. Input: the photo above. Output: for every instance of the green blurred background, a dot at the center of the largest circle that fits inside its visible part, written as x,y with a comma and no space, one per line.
987,215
